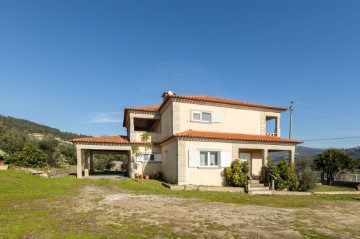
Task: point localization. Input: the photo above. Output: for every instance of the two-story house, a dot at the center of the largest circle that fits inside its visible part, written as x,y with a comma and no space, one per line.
194,137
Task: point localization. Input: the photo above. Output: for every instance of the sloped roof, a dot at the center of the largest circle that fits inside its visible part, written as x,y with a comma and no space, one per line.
213,99
151,108
118,139
233,136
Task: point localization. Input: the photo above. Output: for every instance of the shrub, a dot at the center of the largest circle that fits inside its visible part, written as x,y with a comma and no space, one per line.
304,172
284,173
29,156
236,175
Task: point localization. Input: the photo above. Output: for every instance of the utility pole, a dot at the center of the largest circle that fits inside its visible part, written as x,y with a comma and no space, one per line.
291,110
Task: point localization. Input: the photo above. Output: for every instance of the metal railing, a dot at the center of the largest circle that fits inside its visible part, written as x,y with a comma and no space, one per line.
271,134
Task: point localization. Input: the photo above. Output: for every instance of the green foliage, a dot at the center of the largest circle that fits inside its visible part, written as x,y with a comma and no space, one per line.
65,152
286,176
236,175
11,140
27,127
333,161
304,171
29,156
49,145
14,136
284,173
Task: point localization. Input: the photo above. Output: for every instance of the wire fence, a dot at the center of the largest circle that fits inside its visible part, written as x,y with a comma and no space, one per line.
349,177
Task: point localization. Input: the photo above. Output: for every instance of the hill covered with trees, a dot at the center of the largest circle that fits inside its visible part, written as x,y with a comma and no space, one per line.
27,126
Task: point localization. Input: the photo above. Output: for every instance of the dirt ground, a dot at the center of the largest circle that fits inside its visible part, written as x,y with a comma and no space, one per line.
201,219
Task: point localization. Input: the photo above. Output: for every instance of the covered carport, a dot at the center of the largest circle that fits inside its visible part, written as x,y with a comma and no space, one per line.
87,147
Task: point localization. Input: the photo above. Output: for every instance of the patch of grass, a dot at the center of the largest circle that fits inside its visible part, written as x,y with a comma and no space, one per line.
328,188
34,207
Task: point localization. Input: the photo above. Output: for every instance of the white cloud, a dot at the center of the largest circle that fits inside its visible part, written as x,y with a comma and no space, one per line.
106,118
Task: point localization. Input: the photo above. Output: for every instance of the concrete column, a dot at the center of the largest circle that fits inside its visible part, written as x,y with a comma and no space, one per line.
265,156
132,130
181,163
278,126
91,161
291,156
78,166
86,167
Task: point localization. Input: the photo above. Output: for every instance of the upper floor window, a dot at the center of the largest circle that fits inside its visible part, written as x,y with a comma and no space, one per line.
201,116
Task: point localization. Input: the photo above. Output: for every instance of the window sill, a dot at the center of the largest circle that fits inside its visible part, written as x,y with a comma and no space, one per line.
209,167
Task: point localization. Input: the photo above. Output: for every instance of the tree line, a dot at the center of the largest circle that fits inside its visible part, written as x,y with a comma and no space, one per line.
18,148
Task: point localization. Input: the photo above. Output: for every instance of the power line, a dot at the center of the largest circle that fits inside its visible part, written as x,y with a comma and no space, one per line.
347,137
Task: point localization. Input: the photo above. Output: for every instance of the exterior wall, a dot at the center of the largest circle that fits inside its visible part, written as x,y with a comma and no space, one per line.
169,161
232,119
206,176
154,137
133,135
146,168
166,121
263,116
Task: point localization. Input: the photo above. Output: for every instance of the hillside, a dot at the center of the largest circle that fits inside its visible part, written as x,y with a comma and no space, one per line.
31,127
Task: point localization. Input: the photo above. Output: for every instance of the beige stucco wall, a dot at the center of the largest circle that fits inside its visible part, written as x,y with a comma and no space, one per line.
203,176
166,121
154,137
149,168
232,120
169,161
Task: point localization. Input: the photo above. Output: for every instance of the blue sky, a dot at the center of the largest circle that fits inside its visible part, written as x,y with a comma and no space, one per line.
74,65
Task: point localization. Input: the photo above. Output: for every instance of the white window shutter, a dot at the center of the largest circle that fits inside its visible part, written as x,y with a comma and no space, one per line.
194,158
216,117
225,159
157,157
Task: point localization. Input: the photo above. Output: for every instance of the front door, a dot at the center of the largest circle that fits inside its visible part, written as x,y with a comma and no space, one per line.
255,164
245,157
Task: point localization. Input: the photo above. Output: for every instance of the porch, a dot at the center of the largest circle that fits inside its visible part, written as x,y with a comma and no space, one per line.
257,156
86,159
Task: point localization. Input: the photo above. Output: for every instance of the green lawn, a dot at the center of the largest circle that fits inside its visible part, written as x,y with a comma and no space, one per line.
327,188
34,207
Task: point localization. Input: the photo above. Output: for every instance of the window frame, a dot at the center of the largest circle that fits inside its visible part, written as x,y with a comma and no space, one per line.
208,155
201,116
151,158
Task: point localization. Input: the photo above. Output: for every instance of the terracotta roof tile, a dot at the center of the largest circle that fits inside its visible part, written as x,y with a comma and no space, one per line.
205,98
118,139
233,136
151,108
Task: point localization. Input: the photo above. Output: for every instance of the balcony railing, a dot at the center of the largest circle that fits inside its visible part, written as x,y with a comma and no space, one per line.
271,134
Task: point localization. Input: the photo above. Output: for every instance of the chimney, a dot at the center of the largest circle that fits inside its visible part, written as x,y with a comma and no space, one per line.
167,94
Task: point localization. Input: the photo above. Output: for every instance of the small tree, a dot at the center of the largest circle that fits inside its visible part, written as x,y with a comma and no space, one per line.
236,174
333,161
49,145
29,156
145,138
284,173
304,172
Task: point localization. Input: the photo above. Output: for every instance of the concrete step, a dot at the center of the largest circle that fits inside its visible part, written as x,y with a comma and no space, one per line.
255,181
257,185
260,192
259,188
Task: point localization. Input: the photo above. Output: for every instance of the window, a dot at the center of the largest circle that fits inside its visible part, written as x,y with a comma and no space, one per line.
150,158
201,116
209,158
245,157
